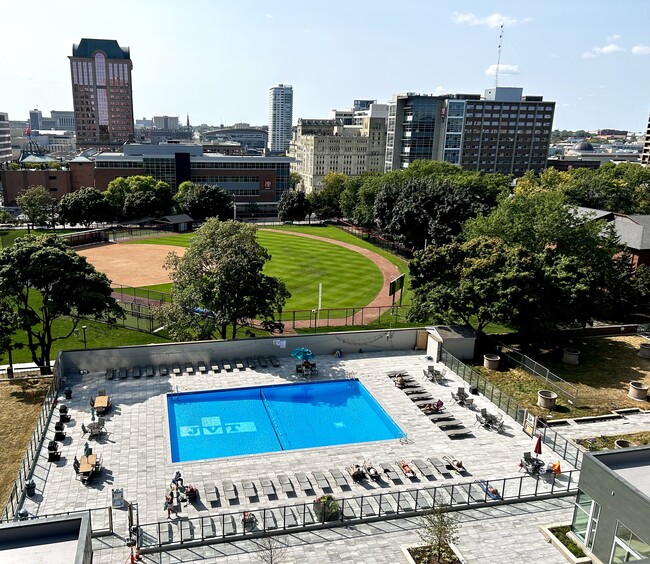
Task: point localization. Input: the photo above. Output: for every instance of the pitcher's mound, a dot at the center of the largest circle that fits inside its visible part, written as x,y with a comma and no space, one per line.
131,265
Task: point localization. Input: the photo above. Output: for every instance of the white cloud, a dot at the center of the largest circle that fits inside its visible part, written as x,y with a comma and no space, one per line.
641,49
269,18
440,90
614,38
606,50
493,20
503,69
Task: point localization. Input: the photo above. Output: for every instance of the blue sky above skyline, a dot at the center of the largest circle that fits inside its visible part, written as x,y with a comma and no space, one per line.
216,60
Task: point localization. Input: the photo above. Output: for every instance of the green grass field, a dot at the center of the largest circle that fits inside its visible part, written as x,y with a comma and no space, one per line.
349,279
10,235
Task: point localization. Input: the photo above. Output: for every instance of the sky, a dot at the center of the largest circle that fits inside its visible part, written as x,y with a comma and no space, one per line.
216,59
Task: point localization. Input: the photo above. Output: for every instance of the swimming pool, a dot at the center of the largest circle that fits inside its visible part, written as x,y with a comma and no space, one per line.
219,423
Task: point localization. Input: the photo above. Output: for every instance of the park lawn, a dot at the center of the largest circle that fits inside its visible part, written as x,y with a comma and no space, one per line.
13,234
607,365
21,400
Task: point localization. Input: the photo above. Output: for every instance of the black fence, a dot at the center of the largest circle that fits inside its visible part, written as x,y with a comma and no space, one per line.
375,239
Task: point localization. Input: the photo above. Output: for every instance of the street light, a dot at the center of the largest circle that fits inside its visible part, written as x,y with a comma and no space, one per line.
83,327
234,210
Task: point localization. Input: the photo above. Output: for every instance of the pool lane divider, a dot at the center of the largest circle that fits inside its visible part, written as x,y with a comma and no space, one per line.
274,424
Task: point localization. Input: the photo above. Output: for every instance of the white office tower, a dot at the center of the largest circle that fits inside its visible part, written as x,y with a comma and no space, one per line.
280,117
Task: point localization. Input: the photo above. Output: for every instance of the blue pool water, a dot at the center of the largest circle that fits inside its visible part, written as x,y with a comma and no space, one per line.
222,423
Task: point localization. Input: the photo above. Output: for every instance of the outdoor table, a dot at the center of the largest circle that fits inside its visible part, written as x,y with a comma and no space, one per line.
87,464
101,402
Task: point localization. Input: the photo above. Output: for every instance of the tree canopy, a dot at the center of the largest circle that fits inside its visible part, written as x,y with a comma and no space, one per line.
219,283
293,205
85,206
43,280
326,202
201,201
139,196
37,205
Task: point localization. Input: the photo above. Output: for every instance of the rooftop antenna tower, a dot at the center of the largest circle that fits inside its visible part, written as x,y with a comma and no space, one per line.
496,72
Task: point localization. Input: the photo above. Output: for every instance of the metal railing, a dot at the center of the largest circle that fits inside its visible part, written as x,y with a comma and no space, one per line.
564,448
551,380
231,526
139,296
484,386
102,519
377,316
28,463
375,239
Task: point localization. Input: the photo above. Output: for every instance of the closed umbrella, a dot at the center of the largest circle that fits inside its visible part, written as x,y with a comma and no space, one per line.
538,445
302,353
92,414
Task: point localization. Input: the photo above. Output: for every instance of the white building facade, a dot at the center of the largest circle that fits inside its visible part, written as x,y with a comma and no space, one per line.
5,139
280,117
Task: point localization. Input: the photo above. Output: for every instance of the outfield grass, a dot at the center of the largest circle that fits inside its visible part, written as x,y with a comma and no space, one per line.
13,234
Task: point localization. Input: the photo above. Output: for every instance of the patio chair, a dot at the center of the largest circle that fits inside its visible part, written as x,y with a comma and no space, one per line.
339,478
148,371
226,365
267,486
303,481
176,369
137,372
530,464
421,466
163,370
110,373
239,364
101,392
123,373
202,367
458,433
440,467
249,489
211,493
189,368
480,420
250,362
262,362
230,491
388,469
285,484
300,369
274,361
321,480
214,365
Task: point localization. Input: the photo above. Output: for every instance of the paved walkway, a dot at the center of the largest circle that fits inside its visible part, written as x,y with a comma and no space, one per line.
136,452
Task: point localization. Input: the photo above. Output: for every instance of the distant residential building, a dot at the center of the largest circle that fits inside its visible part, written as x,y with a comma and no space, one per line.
63,120
610,152
165,122
612,133
280,118
143,123
5,139
102,93
503,131
321,146
645,156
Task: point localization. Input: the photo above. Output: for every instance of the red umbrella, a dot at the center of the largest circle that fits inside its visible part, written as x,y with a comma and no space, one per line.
538,445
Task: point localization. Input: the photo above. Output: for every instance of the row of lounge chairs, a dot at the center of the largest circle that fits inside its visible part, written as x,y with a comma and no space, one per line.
386,471
201,367
452,427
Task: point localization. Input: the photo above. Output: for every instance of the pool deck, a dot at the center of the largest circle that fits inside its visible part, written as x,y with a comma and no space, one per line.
136,457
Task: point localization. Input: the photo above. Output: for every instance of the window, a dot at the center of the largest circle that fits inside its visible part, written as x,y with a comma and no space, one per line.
628,547
585,519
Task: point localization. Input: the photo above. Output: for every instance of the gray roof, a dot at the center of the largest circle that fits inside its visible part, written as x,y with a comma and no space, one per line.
180,218
632,230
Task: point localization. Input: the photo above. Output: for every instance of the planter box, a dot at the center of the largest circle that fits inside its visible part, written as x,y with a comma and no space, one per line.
571,356
546,399
491,361
548,535
644,350
406,555
638,391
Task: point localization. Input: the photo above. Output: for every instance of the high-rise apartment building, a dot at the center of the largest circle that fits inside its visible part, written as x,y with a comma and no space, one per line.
503,131
101,93
645,155
165,122
5,139
321,146
35,117
280,117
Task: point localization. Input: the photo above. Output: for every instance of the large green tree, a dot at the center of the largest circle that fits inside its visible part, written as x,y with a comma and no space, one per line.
326,202
85,206
293,205
133,197
200,201
219,283
44,280
37,205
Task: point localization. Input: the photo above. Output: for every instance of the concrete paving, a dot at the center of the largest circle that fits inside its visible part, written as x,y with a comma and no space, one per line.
136,457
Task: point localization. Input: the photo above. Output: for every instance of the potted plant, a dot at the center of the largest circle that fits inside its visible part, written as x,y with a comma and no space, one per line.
326,508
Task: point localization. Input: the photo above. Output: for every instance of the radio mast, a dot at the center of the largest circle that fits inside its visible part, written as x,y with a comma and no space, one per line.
496,73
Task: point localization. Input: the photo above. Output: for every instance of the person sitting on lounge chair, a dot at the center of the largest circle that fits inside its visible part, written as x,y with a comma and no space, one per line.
399,382
408,471
371,471
177,480
356,472
457,464
433,407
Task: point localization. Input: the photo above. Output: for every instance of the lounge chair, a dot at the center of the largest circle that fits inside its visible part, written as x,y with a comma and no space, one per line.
122,373
250,362
300,369
214,365
274,361
420,396
489,490
163,370
439,466
285,484
270,521
229,490
229,526
461,432
321,480
423,468
211,493
303,481
189,368
239,364
249,489
387,469
446,423
137,372
148,371
262,362
202,367
372,472
339,478
408,471
455,464
176,369
267,486
356,472
530,464
226,365
110,373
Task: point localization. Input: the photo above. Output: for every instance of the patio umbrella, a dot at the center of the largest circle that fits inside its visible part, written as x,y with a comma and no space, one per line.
302,353
86,449
538,445
92,413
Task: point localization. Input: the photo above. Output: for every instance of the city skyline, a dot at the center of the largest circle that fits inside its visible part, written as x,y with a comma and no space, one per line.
220,60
